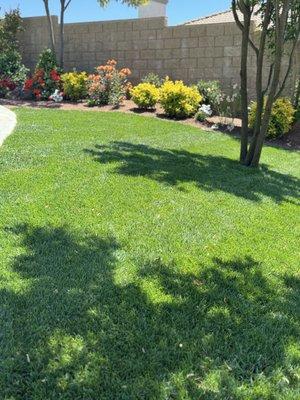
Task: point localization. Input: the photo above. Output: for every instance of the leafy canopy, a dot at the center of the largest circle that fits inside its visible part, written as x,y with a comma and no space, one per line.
133,3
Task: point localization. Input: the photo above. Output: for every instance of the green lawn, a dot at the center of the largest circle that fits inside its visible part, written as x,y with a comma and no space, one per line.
140,261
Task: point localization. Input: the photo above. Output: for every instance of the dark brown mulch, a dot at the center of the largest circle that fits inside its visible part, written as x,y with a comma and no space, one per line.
288,141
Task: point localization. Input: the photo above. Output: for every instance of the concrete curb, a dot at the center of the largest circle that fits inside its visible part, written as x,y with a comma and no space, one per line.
8,121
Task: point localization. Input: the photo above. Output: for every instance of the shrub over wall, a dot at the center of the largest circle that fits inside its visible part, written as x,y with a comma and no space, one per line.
178,100
282,117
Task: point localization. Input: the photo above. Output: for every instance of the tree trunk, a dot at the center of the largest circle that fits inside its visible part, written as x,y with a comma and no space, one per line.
259,84
50,25
297,95
62,38
244,88
255,155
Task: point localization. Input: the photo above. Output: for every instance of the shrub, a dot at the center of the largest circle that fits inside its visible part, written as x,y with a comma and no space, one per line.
153,79
47,61
46,79
145,95
108,85
42,84
6,85
211,93
12,71
282,117
178,100
75,85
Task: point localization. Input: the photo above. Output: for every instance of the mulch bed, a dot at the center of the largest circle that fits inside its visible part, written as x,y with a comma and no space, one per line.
289,141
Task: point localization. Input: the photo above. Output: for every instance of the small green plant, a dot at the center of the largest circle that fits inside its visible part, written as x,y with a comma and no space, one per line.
47,61
75,85
282,117
178,100
154,79
211,93
145,95
203,113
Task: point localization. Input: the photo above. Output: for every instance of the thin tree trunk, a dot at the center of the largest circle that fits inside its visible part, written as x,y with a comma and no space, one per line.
50,25
62,37
297,94
64,4
259,83
245,28
279,45
244,88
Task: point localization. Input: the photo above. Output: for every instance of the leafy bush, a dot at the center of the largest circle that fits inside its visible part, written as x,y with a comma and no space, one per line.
211,93
178,100
12,70
108,85
75,85
46,78
153,79
282,117
42,85
145,95
47,61
6,85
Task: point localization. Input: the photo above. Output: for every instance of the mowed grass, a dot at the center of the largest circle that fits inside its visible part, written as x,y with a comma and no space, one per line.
139,260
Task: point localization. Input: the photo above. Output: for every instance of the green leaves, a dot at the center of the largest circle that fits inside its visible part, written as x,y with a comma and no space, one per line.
133,3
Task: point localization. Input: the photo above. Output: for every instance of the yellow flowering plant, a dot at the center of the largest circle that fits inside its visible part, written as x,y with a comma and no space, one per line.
75,85
179,100
145,95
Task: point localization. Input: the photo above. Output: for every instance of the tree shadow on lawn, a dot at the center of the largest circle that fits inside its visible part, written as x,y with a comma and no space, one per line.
210,173
73,333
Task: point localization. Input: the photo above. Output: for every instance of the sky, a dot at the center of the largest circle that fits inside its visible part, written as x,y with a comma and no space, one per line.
89,10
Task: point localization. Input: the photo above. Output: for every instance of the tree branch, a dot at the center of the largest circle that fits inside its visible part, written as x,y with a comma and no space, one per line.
239,23
288,69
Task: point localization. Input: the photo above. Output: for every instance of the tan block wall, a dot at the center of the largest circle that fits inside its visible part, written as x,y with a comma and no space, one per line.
147,45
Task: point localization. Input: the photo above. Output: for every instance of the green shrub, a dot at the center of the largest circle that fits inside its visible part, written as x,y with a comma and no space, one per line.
281,120
12,70
47,61
145,95
75,85
211,93
178,100
153,79
11,67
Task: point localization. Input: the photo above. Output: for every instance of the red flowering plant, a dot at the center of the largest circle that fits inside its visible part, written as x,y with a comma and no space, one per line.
108,85
46,79
6,85
43,84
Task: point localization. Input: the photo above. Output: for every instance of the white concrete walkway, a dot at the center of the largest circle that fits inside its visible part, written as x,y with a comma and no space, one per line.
8,121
